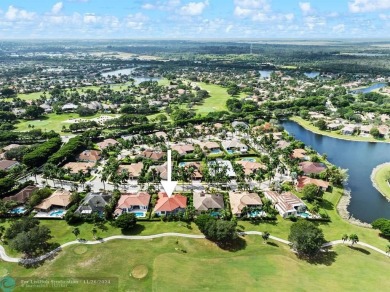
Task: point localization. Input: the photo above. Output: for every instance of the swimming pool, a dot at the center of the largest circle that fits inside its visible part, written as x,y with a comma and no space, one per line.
215,151
256,214
182,164
18,210
57,213
251,159
139,214
230,151
304,215
214,214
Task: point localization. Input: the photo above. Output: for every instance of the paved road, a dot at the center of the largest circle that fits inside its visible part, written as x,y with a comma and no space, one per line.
7,258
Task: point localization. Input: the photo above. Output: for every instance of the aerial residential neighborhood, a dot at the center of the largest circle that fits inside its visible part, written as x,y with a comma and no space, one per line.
194,145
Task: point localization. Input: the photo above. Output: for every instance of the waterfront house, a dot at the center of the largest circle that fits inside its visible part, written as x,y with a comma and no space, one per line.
287,204
309,167
305,180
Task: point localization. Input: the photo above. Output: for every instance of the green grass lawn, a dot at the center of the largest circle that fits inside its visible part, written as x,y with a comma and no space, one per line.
334,134
216,101
333,230
52,122
205,266
381,177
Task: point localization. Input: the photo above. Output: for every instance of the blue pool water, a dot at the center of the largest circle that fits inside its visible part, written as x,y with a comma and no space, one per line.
182,164
230,151
303,215
18,210
256,214
215,151
139,214
57,213
249,159
214,214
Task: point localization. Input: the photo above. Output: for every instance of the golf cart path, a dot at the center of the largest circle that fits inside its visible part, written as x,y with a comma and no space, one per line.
6,258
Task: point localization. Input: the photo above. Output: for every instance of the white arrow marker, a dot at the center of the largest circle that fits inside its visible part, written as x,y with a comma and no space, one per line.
169,185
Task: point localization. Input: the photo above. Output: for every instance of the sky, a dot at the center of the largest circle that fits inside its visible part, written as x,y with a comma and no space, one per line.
192,19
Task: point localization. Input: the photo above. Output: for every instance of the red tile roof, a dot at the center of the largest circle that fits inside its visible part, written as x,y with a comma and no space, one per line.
138,199
170,204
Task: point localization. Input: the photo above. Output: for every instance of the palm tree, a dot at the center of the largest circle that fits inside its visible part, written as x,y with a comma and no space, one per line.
353,238
76,231
104,178
345,237
34,172
265,235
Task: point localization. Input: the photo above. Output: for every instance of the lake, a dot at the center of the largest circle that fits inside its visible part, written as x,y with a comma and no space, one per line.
311,74
265,73
129,71
369,88
367,204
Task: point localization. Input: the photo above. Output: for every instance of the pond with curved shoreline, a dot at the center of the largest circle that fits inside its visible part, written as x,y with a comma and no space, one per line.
360,158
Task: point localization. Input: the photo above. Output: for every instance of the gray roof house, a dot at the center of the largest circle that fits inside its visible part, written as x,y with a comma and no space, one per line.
93,202
204,202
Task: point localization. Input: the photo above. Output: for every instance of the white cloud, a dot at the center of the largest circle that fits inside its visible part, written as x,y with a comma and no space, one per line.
360,6
229,28
305,7
193,8
253,4
161,5
242,12
57,7
15,14
90,18
339,28
136,21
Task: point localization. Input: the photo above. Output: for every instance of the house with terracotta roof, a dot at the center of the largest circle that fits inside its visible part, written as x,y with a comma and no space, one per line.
309,167
89,156
183,149
75,167
305,180
58,199
170,205
240,200
107,143
8,164
250,166
22,196
134,169
203,201
299,154
287,204
152,154
133,203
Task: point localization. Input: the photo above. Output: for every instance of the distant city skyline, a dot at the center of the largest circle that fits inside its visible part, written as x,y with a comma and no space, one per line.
194,19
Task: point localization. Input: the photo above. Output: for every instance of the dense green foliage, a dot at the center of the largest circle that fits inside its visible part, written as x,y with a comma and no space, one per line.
217,230
383,225
41,154
69,150
126,221
306,238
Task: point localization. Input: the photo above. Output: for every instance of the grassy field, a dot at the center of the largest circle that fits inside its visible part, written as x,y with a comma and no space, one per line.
309,126
333,230
52,122
380,178
159,265
216,101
